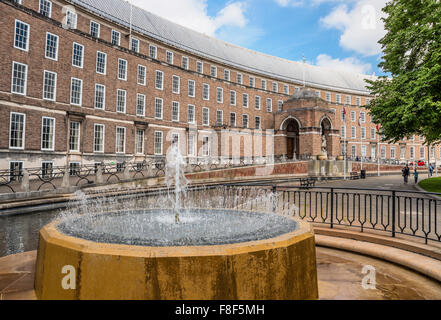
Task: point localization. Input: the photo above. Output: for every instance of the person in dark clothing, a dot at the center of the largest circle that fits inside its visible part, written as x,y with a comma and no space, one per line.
406,172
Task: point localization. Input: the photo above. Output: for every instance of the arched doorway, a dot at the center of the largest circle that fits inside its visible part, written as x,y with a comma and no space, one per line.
326,128
292,139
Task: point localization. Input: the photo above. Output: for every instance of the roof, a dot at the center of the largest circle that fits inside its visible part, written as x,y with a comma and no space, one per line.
220,51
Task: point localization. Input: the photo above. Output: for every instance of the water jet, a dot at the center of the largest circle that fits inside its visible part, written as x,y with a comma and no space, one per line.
180,252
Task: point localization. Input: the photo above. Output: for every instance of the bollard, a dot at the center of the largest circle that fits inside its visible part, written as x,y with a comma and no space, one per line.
126,171
66,179
150,172
99,174
25,181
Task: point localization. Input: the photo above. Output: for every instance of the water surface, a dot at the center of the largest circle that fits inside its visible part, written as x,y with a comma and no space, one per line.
19,233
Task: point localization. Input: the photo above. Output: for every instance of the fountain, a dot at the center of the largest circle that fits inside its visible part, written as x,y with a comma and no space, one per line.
174,175
170,249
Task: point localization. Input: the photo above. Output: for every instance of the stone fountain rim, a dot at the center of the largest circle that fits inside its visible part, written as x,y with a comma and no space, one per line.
53,236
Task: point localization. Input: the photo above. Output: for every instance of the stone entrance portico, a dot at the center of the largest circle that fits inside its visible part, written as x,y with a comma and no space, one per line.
304,128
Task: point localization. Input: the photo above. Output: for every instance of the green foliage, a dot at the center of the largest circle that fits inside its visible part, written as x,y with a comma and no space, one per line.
409,102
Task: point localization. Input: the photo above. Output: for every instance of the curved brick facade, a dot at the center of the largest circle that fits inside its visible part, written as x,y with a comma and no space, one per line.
127,136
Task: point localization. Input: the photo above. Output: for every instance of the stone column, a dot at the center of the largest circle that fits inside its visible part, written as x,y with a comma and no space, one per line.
66,178
25,181
126,171
99,174
150,166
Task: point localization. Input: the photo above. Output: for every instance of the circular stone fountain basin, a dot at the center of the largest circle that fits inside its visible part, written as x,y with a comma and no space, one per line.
196,227
210,254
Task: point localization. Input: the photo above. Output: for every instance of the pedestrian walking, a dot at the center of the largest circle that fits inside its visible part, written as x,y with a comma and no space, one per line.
415,175
406,172
430,170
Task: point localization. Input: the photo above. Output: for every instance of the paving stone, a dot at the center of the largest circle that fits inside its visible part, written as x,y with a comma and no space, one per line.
339,273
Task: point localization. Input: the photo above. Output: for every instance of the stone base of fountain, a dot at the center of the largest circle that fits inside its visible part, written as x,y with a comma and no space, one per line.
280,267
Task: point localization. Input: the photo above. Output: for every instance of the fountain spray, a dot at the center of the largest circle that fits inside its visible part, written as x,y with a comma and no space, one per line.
174,175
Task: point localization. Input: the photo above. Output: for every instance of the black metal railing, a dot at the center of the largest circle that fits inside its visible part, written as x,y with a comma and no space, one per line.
389,212
393,212
53,178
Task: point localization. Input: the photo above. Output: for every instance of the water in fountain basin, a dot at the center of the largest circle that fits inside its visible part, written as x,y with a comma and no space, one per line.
170,218
155,227
145,220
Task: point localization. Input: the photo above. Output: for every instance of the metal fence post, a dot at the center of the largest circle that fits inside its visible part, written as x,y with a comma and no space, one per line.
332,208
393,214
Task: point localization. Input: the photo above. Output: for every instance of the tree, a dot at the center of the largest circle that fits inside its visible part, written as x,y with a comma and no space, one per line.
409,101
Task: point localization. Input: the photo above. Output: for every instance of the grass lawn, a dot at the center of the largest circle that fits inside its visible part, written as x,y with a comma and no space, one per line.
431,185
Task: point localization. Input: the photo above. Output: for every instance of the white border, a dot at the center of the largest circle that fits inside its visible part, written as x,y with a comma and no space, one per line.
208,117
104,97
137,96
179,84
154,142
82,55
81,92
119,37
208,92
145,75
194,88
55,89
90,28
125,71
162,108
125,100
53,136
179,110
26,78
116,140
24,130
162,80
94,137
57,48
79,135
27,38
105,63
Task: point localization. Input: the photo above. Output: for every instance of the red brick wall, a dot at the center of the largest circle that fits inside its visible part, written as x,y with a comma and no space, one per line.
370,167
37,63
277,169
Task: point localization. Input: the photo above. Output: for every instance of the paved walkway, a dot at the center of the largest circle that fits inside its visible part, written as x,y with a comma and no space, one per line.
392,182
339,278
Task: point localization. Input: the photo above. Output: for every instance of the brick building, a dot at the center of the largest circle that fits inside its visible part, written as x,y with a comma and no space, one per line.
85,82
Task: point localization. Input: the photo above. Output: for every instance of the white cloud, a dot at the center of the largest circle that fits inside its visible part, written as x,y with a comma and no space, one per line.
350,64
358,20
231,15
297,3
361,25
194,14
285,3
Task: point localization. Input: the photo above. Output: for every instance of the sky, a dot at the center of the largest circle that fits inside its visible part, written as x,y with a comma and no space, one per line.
338,34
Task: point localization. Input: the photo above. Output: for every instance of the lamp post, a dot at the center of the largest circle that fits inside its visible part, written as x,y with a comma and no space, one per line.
378,152
428,160
345,152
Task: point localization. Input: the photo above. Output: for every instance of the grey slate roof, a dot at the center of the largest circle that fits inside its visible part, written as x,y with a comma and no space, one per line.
197,43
